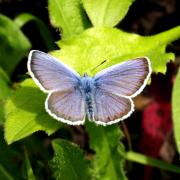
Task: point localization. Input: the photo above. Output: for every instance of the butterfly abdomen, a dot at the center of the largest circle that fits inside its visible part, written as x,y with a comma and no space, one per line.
89,105
87,86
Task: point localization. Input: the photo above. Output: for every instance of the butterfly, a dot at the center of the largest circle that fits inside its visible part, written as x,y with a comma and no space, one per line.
105,98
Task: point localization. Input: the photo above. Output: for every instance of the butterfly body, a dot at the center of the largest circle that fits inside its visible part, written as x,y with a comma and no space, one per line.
87,86
106,98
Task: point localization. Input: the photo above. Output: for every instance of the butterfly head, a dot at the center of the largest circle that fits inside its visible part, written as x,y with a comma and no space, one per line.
85,75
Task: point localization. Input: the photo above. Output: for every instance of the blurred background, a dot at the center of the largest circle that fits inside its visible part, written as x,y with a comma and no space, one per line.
149,130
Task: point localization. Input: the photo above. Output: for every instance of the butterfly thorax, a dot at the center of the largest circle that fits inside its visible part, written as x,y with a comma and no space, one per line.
87,86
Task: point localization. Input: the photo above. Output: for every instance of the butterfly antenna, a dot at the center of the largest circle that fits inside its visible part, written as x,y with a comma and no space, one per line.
98,65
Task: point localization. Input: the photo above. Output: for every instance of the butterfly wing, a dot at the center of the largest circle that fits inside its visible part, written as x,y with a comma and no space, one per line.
124,79
110,108
65,100
114,88
49,73
67,106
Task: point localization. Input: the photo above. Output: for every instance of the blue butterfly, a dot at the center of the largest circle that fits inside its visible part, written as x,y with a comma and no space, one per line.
106,98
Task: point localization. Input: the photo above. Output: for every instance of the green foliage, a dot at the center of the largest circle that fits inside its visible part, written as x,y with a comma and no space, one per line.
176,111
109,157
24,18
68,161
82,47
30,175
25,113
98,44
8,169
4,92
69,16
4,174
107,12
145,160
13,44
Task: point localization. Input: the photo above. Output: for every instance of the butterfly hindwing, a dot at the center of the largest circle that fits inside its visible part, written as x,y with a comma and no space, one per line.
110,108
67,106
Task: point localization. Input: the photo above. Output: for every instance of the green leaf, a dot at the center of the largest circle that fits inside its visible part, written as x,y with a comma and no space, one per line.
107,12
69,16
109,151
25,113
22,19
95,45
13,44
176,110
4,75
10,160
4,88
68,161
145,160
4,174
30,174
4,92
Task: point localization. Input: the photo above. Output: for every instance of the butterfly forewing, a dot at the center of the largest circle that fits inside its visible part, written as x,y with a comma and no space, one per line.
51,74
124,79
67,106
110,108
